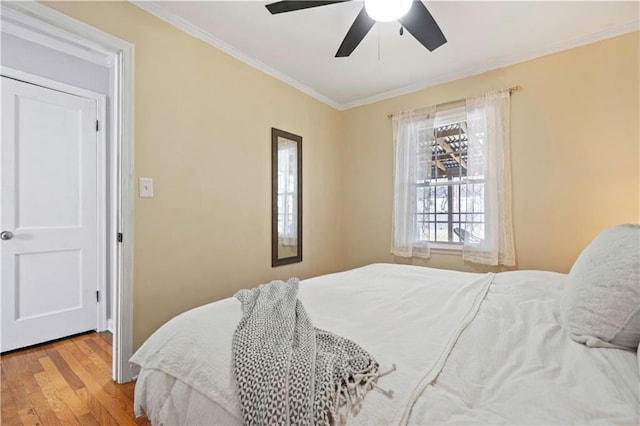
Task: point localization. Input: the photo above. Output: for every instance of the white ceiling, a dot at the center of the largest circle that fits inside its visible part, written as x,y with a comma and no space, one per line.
299,47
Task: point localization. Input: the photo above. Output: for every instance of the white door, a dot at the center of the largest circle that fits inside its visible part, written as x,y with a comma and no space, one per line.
48,216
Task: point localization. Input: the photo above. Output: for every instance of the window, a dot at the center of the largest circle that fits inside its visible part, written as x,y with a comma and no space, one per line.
443,191
452,181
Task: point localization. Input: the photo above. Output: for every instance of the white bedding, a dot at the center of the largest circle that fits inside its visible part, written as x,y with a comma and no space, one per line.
512,365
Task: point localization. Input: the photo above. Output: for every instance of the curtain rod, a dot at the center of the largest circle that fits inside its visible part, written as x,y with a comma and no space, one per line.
510,89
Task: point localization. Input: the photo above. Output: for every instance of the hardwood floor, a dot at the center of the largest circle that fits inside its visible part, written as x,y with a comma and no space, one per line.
65,382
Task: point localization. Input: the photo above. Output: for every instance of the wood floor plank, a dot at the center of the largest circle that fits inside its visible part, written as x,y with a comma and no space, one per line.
113,390
99,363
29,417
98,349
128,389
19,398
32,355
44,411
107,337
10,414
103,342
66,382
19,374
84,367
57,404
61,365
62,388
120,409
88,420
97,411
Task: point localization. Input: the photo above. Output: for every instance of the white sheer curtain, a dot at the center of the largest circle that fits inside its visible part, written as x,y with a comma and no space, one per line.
413,138
287,193
488,206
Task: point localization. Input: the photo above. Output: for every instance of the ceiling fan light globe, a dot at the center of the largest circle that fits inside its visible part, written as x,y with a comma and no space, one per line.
387,10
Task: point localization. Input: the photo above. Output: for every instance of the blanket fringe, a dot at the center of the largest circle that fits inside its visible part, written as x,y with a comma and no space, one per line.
354,387
389,392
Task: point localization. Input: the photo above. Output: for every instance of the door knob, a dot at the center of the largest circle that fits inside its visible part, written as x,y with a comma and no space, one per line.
6,235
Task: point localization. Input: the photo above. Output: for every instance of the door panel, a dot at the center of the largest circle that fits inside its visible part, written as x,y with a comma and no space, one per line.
49,268
63,291
47,170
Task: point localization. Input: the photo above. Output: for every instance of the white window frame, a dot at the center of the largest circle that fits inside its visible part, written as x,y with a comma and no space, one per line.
444,117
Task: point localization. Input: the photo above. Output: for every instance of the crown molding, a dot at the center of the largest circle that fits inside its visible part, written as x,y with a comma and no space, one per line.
160,12
182,24
501,62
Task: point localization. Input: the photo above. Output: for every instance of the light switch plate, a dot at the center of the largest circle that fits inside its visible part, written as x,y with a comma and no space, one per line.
145,187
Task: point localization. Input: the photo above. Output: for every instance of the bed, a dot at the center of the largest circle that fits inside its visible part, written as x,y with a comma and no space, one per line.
468,349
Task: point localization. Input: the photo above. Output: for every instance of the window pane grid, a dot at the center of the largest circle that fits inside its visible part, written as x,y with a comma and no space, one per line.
449,205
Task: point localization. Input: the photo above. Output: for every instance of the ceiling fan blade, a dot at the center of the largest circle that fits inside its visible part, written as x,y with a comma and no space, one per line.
290,6
356,33
419,22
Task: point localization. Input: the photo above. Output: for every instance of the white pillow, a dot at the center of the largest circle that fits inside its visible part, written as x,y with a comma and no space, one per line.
601,301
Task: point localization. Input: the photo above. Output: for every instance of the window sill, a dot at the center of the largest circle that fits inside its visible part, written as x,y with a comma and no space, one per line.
446,248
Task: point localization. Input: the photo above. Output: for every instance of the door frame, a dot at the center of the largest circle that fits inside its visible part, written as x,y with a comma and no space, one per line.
61,32
101,188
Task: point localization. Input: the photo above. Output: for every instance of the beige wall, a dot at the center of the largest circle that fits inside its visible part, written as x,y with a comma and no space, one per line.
203,133
575,155
203,124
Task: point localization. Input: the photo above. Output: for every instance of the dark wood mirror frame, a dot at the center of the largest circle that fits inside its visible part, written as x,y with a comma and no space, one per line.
277,260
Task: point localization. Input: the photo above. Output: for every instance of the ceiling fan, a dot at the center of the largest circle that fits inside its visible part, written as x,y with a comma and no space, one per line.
412,15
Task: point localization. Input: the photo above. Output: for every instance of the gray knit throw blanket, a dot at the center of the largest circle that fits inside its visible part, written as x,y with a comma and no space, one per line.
289,372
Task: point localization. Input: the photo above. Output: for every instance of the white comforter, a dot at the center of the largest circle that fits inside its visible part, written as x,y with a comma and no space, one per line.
513,364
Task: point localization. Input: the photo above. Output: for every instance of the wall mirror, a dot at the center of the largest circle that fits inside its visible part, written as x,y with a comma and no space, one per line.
286,198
